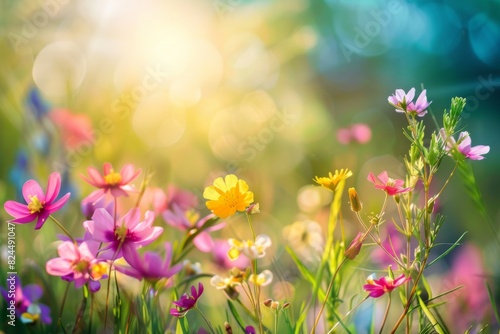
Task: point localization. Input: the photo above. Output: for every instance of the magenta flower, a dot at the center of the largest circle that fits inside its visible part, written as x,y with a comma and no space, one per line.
150,266
186,302
188,221
128,232
400,99
390,186
377,287
78,264
25,300
420,106
464,146
118,184
39,205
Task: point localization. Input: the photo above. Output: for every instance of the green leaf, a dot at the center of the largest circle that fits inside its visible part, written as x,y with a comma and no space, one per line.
236,315
306,273
182,325
493,304
447,251
437,327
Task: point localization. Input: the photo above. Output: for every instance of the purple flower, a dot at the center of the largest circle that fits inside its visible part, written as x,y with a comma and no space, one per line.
187,220
463,145
420,106
127,232
400,99
186,302
249,330
25,301
150,266
377,287
403,102
89,207
39,205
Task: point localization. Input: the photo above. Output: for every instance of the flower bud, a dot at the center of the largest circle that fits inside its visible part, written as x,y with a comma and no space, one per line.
228,328
268,302
356,205
354,247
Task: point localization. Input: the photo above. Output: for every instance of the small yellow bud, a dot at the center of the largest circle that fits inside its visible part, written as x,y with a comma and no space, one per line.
356,205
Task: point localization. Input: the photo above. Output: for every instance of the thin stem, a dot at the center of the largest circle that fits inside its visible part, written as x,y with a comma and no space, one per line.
256,288
386,313
206,320
63,229
447,180
63,302
328,290
347,314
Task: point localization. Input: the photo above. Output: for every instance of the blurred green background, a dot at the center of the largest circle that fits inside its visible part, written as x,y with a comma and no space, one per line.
191,90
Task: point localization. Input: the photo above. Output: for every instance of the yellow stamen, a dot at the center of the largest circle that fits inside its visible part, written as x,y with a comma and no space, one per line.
98,270
35,205
121,233
113,178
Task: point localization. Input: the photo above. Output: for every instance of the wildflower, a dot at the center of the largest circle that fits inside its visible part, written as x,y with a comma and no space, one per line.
250,330
186,302
118,184
358,133
377,287
25,299
420,106
189,221
39,205
390,186
400,99
229,284
221,258
150,266
228,195
355,247
128,232
356,205
88,207
262,279
463,145
78,264
253,250
305,237
332,181
76,129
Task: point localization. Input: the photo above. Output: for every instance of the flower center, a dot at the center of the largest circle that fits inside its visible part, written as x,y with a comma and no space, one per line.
113,178
35,205
81,266
230,199
121,233
98,270
390,182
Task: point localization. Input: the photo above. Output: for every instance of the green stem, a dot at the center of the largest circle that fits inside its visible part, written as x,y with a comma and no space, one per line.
63,229
204,318
386,314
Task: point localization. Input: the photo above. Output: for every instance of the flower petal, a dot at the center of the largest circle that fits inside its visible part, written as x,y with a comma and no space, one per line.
32,188
16,210
53,187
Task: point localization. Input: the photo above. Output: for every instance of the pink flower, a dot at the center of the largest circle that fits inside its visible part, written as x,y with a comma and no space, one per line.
358,133
76,129
118,184
150,266
390,186
188,221
400,99
77,263
128,232
403,102
186,302
464,146
377,287
420,106
89,207
39,204
355,247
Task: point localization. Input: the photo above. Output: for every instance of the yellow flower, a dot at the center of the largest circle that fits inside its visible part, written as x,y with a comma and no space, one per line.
227,196
262,279
332,181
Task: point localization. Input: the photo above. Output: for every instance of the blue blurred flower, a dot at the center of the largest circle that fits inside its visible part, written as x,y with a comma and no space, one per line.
38,106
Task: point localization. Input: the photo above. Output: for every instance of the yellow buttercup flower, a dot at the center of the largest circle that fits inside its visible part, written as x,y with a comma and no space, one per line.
332,181
228,195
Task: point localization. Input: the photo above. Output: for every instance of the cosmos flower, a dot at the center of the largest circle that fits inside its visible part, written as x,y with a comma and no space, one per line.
189,221
128,232
187,301
463,145
390,186
77,263
377,287
25,298
419,107
149,266
400,99
118,184
39,205
228,195
331,182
